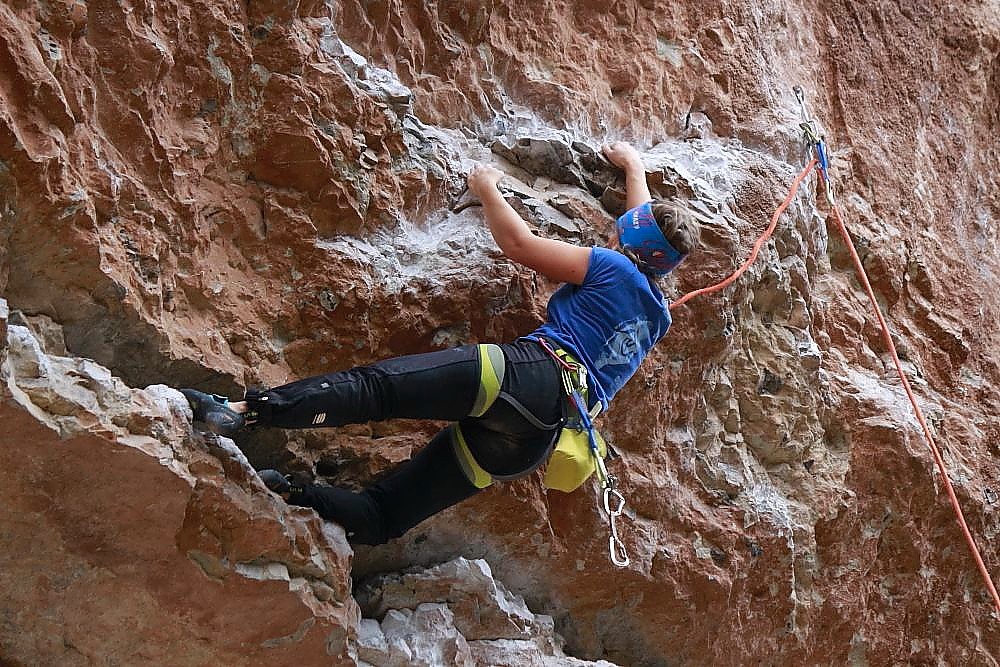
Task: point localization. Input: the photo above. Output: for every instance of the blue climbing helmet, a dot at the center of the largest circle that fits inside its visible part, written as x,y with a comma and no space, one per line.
640,237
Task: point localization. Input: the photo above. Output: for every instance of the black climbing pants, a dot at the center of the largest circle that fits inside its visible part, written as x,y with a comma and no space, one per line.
436,385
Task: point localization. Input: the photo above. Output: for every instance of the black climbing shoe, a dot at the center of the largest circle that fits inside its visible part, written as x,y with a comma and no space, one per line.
283,485
214,411
275,481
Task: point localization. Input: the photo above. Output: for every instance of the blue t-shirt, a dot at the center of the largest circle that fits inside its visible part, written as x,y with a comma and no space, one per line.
609,322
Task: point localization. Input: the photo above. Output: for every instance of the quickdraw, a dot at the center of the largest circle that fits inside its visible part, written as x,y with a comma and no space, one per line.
574,377
609,484
815,142
618,554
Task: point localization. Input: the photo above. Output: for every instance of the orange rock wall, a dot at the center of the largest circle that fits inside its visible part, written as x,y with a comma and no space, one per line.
227,194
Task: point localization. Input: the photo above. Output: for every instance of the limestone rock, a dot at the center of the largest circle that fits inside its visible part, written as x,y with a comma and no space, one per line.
226,194
118,523
455,613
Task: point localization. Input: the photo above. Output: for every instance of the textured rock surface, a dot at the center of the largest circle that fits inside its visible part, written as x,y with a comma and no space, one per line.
226,194
454,614
127,541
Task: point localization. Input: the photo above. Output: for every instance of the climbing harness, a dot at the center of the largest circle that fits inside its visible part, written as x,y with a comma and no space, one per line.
492,368
576,452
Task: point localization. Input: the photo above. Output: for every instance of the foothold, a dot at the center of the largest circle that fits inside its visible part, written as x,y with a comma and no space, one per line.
769,383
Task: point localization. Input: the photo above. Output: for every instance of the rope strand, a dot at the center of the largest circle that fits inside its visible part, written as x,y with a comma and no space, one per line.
756,246
887,338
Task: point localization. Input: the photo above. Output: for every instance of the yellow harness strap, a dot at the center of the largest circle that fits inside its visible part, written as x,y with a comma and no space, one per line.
473,471
571,462
492,367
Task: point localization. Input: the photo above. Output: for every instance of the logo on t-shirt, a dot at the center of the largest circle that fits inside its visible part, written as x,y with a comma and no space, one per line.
628,342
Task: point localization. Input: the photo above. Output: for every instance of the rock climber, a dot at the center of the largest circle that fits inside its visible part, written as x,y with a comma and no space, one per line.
505,401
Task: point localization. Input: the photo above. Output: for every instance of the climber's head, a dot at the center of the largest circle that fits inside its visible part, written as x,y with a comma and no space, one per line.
658,235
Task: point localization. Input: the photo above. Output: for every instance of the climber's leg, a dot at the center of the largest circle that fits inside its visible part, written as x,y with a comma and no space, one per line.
433,385
419,488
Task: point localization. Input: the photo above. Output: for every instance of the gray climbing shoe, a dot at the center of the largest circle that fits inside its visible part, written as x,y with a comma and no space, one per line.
283,485
214,411
275,481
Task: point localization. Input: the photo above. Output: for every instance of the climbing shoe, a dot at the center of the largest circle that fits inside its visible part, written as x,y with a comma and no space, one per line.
283,485
214,411
275,481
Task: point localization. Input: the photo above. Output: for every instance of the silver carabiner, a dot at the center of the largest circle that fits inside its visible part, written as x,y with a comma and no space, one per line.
810,134
619,556
800,96
610,491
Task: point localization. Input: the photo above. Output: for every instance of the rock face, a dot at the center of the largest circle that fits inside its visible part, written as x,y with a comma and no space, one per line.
127,540
225,194
455,614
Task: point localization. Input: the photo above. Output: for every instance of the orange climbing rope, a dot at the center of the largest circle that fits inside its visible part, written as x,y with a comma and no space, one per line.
886,337
756,246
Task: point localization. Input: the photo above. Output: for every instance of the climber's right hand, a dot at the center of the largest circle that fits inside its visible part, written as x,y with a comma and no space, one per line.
622,154
482,178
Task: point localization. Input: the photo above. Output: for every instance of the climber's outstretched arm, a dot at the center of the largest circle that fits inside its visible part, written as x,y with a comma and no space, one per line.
563,262
626,157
